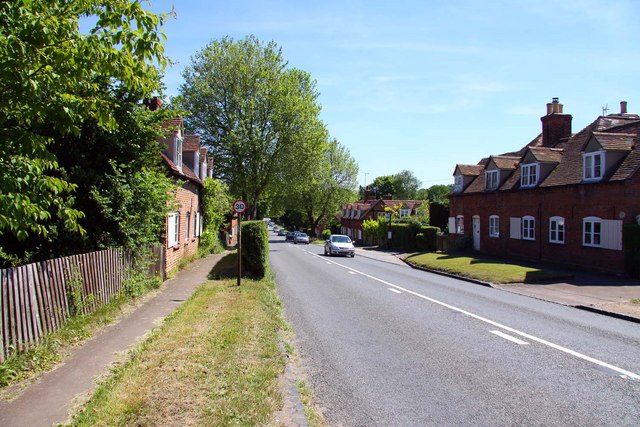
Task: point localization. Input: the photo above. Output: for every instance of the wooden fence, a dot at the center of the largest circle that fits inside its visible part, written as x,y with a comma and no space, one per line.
37,299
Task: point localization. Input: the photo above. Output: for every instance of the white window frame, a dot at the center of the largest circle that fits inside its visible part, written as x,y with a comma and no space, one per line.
178,153
187,234
173,229
196,163
591,237
458,181
593,166
528,228
529,174
494,226
196,225
491,179
405,212
556,229
460,224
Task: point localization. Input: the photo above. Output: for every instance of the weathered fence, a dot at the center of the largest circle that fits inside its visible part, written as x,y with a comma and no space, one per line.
36,299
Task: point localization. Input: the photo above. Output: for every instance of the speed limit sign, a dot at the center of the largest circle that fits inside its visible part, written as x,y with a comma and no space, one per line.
239,206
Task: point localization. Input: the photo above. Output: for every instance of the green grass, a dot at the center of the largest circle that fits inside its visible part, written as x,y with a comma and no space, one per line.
485,269
215,361
635,301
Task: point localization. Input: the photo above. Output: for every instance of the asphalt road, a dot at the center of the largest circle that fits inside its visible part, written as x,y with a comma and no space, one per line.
386,345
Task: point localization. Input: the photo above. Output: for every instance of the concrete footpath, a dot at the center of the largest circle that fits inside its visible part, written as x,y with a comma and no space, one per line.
599,293
49,400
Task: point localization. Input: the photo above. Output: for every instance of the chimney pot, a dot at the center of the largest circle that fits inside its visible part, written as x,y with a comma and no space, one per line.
623,107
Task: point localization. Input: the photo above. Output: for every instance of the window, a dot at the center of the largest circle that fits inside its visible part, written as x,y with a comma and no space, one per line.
173,229
196,225
186,230
528,228
460,224
491,179
494,226
178,156
457,186
529,175
556,229
593,166
405,212
592,231
196,163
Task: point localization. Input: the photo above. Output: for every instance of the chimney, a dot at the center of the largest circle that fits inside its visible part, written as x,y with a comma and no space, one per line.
367,194
152,104
555,125
623,107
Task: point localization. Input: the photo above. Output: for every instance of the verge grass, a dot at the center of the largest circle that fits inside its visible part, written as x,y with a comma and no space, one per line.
485,269
215,361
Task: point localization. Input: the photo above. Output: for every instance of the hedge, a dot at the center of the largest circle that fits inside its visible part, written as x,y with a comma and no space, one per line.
631,244
411,236
255,249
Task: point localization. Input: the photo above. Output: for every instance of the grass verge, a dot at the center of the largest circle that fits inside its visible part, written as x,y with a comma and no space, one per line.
215,361
485,269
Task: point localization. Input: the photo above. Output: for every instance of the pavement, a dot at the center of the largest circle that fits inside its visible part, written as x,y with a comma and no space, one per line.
604,294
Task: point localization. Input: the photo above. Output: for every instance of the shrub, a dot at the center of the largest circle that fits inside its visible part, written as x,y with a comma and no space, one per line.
255,249
326,234
463,243
426,239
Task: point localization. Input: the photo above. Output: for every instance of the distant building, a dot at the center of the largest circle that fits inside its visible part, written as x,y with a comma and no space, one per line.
562,198
354,214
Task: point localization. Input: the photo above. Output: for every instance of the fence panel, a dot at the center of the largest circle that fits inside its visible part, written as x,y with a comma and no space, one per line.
37,299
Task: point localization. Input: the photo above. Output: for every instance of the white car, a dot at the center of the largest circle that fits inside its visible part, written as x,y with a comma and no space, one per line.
301,238
339,244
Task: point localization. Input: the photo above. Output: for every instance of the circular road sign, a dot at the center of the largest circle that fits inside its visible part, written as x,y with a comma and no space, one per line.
239,206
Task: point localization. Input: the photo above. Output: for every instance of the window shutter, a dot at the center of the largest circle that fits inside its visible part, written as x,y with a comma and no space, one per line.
452,225
515,225
612,234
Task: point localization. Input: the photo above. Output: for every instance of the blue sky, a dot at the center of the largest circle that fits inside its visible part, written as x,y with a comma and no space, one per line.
424,85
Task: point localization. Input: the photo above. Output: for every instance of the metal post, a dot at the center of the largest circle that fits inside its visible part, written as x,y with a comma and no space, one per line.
239,248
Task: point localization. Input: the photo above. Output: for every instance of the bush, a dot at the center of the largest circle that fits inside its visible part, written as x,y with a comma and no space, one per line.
463,243
404,235
426,239
209,243
255,249
631,244
326,234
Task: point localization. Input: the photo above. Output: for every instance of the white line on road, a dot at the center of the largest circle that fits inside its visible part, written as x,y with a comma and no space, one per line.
395,290
351,272
621,371
509,337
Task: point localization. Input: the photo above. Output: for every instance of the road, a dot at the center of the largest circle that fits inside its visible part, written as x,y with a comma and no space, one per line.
387,345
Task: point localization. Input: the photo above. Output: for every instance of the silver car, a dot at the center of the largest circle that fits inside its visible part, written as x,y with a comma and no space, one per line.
301,238
339,244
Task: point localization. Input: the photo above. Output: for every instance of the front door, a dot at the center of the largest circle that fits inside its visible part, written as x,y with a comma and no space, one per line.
476,233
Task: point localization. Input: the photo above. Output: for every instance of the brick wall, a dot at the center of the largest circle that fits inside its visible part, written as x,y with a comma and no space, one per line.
188,202
611,200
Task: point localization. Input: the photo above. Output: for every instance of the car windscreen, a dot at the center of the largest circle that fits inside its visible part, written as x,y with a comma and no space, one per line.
341,239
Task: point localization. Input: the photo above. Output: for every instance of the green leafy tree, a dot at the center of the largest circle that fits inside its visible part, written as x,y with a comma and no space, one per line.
383,186
439,194
216,204
259,118
53,79
331,183
406,185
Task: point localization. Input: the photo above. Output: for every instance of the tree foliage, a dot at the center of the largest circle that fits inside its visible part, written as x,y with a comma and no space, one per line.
52,80
216,204
402,186
260,118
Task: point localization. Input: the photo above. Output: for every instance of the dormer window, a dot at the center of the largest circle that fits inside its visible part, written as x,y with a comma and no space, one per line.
405,212
593,166
458,181
529,175
491,179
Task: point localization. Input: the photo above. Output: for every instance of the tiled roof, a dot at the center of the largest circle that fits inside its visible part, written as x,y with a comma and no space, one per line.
470,170
546,154
185,173
172,124
614,141
191,143
505,162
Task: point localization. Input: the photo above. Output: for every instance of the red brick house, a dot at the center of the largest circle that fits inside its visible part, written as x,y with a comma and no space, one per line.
354,214
189,164
562,198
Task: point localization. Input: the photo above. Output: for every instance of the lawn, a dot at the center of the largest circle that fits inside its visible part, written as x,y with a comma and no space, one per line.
486,269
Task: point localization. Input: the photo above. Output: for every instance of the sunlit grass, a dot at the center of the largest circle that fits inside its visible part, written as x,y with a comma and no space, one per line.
485,269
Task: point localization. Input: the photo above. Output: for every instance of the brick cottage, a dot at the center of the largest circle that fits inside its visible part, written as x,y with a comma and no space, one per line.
562,198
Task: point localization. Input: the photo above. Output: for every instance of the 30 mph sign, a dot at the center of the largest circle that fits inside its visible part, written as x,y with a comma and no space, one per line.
239,206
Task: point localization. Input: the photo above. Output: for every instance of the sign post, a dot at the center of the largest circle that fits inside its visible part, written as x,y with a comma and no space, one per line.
239,206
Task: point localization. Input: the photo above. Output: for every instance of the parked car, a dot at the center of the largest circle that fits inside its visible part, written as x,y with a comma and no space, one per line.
282,232
301,238
290,235
339,244
276,228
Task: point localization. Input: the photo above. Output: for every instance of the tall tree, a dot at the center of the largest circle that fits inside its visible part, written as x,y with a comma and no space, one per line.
402,185
331,184
260,118
52,81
